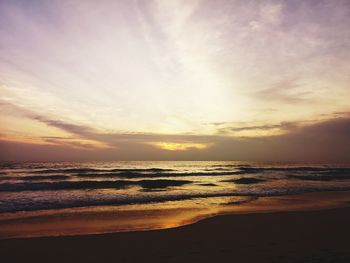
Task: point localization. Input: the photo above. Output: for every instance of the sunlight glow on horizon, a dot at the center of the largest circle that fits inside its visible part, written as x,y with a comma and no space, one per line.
172,146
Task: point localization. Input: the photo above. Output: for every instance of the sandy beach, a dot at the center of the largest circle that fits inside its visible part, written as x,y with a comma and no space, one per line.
174,131
304,236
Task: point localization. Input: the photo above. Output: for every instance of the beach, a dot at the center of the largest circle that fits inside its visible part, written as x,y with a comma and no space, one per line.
302,236
174,131
144,212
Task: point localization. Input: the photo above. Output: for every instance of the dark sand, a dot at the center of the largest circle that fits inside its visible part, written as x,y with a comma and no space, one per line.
308,236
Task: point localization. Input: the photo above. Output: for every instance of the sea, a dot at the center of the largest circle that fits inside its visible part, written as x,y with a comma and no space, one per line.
33,189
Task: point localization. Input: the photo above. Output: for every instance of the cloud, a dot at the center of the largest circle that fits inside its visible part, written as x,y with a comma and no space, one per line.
15,110
89,133
154,66
284,126
287,91
322,141
271,13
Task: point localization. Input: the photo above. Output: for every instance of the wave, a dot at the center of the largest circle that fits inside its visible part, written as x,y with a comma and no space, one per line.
86,185
329,177
90,170
35,177
246,180
85,201
302,173
27,186
131,175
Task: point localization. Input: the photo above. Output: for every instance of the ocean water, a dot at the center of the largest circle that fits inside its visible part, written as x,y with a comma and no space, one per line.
29,186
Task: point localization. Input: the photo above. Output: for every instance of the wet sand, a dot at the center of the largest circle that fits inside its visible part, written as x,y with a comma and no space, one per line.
110,219
303,236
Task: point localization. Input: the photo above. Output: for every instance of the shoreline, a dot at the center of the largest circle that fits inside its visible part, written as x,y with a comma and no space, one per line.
289,236
61,222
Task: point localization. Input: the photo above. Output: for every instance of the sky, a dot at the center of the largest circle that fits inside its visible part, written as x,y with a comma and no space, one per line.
175,80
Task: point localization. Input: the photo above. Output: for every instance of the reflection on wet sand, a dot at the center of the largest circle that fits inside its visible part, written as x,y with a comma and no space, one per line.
93,220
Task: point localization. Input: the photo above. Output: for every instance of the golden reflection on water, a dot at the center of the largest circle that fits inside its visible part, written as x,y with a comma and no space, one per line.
154,216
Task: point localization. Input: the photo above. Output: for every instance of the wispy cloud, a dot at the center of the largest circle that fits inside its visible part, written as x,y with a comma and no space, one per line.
284,126
325,140
86,132
154,66
286,91
126,73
